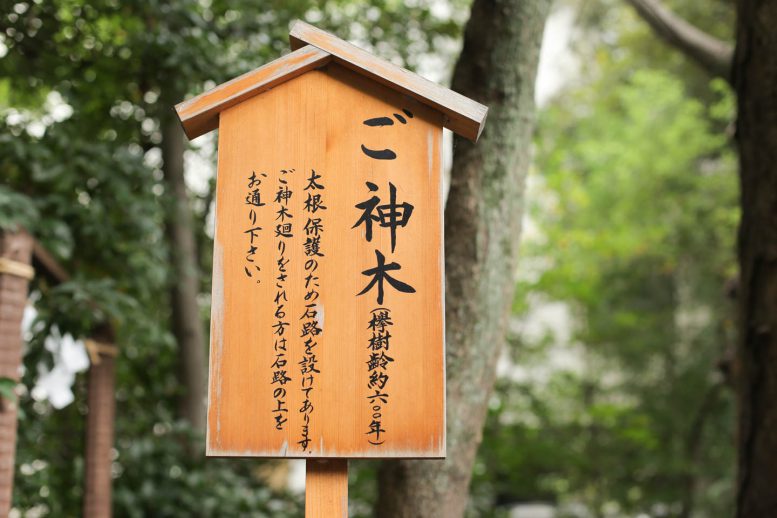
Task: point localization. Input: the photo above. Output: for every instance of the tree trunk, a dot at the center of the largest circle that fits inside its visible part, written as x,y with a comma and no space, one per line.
187,325
497,67
755,81
15,252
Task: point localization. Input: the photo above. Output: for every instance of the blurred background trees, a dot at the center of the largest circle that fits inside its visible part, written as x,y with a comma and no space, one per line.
615,396
627,333
631,270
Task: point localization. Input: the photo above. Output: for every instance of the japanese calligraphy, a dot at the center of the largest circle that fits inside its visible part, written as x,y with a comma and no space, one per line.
254,201
388,215
377,368
377,212
380,273
283,231
310,327
384,154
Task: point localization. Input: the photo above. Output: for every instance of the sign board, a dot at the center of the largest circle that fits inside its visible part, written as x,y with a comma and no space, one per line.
327,331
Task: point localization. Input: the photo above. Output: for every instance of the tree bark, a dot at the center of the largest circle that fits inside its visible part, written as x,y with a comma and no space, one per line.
14,281
187,325
755,81
712,54
497,66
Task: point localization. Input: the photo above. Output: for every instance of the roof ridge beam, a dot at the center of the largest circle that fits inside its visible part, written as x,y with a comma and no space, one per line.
461,114
200,114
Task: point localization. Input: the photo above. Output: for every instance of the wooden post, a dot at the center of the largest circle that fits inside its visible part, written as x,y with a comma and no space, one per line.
99,429
326,488
15,273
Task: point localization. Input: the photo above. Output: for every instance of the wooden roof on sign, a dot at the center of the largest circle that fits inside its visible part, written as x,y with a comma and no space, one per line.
314,48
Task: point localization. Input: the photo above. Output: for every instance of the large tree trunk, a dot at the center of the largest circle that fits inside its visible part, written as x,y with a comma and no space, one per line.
187,325
755,80
497,67
15,273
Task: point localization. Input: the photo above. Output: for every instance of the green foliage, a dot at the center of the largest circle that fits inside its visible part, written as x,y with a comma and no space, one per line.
7,390
159,478
49,458
16,210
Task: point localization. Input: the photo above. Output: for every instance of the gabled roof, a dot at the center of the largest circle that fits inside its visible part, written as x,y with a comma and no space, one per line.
314,48
462,115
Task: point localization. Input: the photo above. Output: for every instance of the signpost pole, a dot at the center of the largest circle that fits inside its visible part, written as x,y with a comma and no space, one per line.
326,488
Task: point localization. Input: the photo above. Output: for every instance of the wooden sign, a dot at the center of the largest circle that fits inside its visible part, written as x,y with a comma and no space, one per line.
327,331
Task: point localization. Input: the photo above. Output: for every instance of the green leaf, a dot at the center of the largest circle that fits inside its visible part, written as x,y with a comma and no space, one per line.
7,389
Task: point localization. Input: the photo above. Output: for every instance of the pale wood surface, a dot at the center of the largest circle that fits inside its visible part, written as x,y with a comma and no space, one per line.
315,121
462,115
326,488
199,115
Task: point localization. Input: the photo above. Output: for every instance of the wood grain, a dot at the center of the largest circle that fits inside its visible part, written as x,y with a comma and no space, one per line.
326,488
199,115
462,115
315,121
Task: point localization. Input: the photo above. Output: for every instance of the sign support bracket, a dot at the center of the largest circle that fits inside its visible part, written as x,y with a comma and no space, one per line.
326,488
